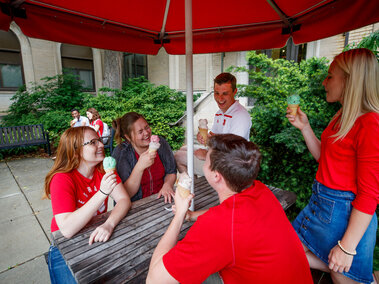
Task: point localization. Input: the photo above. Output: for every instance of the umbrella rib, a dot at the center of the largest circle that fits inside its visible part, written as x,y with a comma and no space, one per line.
162,33
280,13
81,14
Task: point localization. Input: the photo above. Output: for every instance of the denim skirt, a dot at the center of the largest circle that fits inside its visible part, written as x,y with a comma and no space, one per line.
324,221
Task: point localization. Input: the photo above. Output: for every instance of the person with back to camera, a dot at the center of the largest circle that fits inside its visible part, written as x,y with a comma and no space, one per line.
79,189
247,238
143,172
231,117
338,226
95,121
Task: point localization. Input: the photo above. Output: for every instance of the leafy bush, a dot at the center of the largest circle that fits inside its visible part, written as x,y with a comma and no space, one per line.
51,103
160,105
370,42
286,161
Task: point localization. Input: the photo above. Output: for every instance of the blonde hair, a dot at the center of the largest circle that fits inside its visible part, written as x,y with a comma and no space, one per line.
68,154
361,90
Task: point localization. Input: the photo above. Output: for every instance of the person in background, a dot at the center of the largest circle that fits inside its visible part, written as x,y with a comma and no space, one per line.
95,121
338,226
79,189
78,120
232,118
247,238
143,173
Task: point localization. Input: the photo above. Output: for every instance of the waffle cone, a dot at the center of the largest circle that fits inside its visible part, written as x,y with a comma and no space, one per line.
184,192
110,170
204,134
152,150
293,109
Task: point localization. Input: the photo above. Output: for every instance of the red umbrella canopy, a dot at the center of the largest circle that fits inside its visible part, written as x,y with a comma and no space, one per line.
218,25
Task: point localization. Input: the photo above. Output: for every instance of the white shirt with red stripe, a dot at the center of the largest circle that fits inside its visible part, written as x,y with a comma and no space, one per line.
236,120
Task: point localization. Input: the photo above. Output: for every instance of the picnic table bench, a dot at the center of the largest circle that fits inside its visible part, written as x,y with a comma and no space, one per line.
125,257
23,136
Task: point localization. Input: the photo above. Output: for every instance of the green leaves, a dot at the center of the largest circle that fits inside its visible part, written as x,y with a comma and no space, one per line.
51,102
286,161
160,105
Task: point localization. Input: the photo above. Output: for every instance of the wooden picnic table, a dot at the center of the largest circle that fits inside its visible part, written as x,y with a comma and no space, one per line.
125,257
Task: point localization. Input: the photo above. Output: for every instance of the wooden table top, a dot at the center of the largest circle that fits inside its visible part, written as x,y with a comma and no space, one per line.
125,257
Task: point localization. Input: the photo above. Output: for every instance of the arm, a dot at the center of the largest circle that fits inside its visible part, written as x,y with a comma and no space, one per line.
167,188
132,184
72,222
104,231
96,127
193,215
201,154
72,122
300,121
358,223
157,271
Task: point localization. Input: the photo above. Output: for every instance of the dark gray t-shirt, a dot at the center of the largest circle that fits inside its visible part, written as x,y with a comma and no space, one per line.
126,160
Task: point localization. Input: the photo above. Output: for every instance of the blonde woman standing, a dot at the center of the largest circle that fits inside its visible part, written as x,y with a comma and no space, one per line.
338,226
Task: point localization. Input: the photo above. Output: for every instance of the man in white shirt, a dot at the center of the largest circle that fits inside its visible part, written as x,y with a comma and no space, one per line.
78,120
232,118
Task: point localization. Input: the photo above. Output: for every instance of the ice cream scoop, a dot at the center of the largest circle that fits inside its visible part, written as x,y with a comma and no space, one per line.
109,164
203,130
293,103
184,184
154,143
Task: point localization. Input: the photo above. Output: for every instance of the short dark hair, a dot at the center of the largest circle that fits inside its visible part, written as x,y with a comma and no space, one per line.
74,109
236,159
226,78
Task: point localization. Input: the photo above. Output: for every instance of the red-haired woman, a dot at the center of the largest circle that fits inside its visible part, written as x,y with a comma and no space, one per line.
95,121
79,189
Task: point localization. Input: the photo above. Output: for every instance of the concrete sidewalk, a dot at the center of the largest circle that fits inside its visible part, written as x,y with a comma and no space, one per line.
24,221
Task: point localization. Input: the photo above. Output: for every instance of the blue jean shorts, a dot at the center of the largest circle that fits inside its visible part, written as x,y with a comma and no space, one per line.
324,221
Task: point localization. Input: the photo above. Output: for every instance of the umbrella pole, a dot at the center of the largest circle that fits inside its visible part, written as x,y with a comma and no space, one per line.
189,91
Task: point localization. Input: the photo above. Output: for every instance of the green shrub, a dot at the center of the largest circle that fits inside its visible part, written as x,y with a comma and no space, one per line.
286,161
51,103
370,42
160,105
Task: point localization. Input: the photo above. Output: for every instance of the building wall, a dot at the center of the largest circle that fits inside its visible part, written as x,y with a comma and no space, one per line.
42,58
332,46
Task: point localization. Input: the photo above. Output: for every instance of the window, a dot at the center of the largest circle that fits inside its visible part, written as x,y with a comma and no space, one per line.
135,65
78,61
289,52
11,72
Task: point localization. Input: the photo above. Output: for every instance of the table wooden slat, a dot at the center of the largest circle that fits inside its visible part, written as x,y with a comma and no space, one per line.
125,257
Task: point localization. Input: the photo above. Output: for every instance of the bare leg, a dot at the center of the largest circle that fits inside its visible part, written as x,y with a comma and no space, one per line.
339,278
314,261
181,159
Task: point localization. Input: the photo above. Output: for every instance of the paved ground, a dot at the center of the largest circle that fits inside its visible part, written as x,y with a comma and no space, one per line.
24,221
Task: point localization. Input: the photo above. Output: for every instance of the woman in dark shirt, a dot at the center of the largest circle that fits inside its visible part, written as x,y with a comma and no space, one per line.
143,173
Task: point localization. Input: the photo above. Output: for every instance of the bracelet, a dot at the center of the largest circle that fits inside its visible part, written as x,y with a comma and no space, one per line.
104,192
345,251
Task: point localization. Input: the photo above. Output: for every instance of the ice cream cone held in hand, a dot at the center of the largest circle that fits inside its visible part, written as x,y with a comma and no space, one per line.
184,185
154,143
203,129
293,103
109,164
